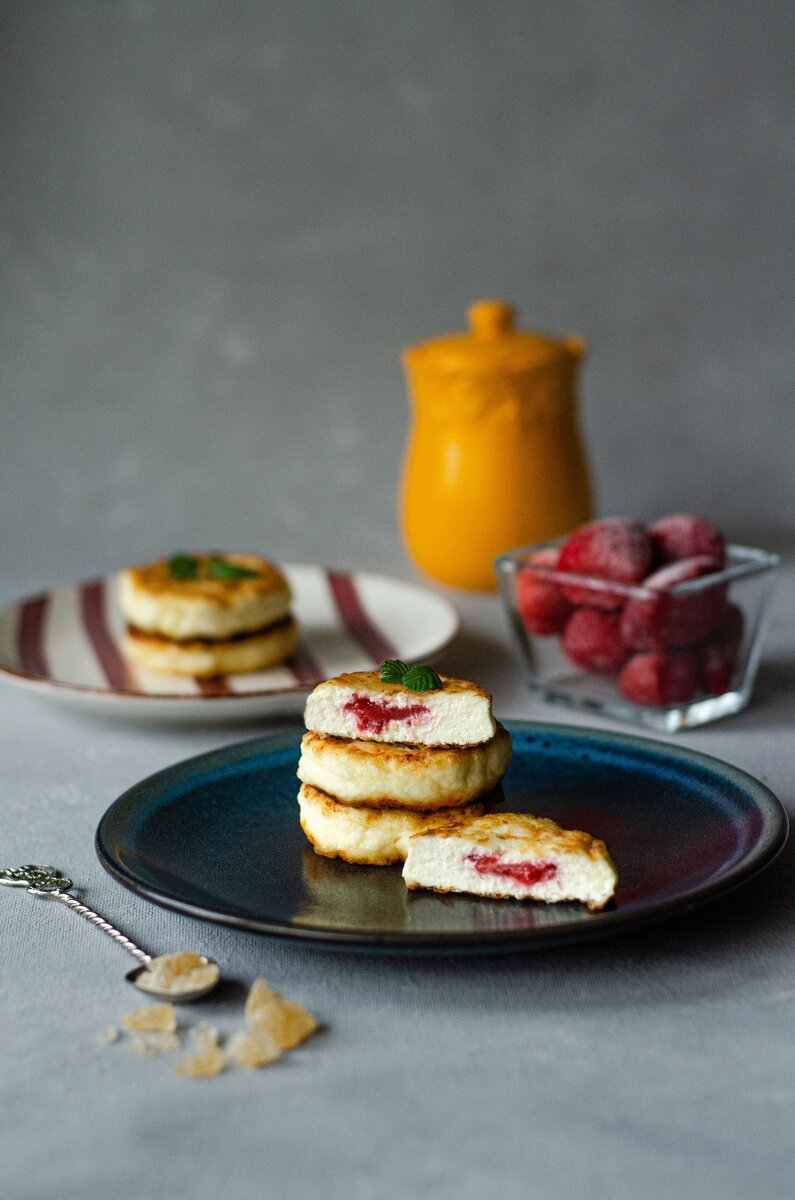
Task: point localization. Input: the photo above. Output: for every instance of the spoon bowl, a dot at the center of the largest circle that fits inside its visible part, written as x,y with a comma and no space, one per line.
137,978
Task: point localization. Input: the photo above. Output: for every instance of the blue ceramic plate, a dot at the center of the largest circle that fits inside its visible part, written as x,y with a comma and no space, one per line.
218,837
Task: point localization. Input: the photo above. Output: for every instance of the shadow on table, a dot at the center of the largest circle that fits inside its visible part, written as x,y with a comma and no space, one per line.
708,946
724,951
773,696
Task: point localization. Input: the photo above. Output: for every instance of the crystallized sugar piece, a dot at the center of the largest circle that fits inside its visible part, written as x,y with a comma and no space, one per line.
286,1022
138,1047
109,1034
252,1049
161,1017
208,1060
149,1044
177,973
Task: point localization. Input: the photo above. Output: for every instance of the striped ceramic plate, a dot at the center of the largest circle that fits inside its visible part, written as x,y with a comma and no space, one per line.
67,642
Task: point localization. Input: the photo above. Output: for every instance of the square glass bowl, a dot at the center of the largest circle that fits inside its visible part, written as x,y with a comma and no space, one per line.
668,660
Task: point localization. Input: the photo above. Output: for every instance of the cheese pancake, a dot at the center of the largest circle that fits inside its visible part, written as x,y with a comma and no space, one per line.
204,605
422,778
367,836
511,856
205,658
361,705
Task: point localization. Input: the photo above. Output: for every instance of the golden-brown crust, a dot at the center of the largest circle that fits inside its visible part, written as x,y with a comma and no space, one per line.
349,824
331,806
194,643
404,754
205,659
449,891
541,834
156,579
373,860
372,681
422,778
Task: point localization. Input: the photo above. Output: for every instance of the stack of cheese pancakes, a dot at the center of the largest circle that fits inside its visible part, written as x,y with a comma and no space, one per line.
206,615
394,754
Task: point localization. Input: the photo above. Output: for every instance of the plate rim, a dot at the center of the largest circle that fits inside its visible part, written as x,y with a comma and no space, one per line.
46,683
772,841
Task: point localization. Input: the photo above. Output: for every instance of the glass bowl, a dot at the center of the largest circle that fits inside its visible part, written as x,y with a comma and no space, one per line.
667,659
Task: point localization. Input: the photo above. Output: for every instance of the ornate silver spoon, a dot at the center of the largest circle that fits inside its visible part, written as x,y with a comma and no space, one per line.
52,884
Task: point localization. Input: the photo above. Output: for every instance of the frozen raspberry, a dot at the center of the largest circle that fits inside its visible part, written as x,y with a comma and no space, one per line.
683,535
658,677
666,619
719,653
592,639
542,606
615,548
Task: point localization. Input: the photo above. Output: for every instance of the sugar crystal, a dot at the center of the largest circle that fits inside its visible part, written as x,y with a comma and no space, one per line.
161,1017
148,1044
208,1059
250,1048
175,974
286,1022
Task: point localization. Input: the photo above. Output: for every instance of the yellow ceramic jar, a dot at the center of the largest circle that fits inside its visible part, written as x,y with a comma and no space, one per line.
494,457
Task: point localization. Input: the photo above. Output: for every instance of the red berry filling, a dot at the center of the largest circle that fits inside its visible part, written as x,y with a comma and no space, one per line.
526,873
373,716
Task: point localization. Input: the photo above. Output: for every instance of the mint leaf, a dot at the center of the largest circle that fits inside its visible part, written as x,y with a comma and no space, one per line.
183,566
393,670
221,568
417,679
421,679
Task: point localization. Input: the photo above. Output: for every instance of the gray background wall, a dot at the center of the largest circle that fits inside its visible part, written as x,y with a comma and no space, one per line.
221,222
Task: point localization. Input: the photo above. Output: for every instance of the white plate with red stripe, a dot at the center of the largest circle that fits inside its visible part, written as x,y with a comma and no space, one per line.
67,643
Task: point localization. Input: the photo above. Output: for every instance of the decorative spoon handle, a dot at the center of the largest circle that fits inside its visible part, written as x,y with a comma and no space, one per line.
83,911
51,883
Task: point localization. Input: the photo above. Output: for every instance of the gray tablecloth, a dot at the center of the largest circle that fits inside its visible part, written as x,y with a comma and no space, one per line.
658,1063
219,223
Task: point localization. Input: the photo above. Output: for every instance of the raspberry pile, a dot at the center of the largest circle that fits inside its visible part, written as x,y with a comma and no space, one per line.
664,647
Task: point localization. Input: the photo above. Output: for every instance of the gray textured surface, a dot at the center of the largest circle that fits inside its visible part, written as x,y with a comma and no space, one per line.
219,224
664,1057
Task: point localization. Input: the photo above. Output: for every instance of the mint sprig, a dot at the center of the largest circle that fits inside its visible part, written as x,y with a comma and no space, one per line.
420,678
183,566
221,568
187,566
393,670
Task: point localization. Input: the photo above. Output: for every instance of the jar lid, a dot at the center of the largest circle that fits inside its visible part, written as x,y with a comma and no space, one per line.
493,343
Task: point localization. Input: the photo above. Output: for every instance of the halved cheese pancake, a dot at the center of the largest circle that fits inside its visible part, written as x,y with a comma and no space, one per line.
204,658
511,856
152,600
421,778
370,836
361,705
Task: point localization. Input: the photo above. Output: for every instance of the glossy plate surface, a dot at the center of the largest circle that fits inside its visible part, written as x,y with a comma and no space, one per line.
67,644
218,837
